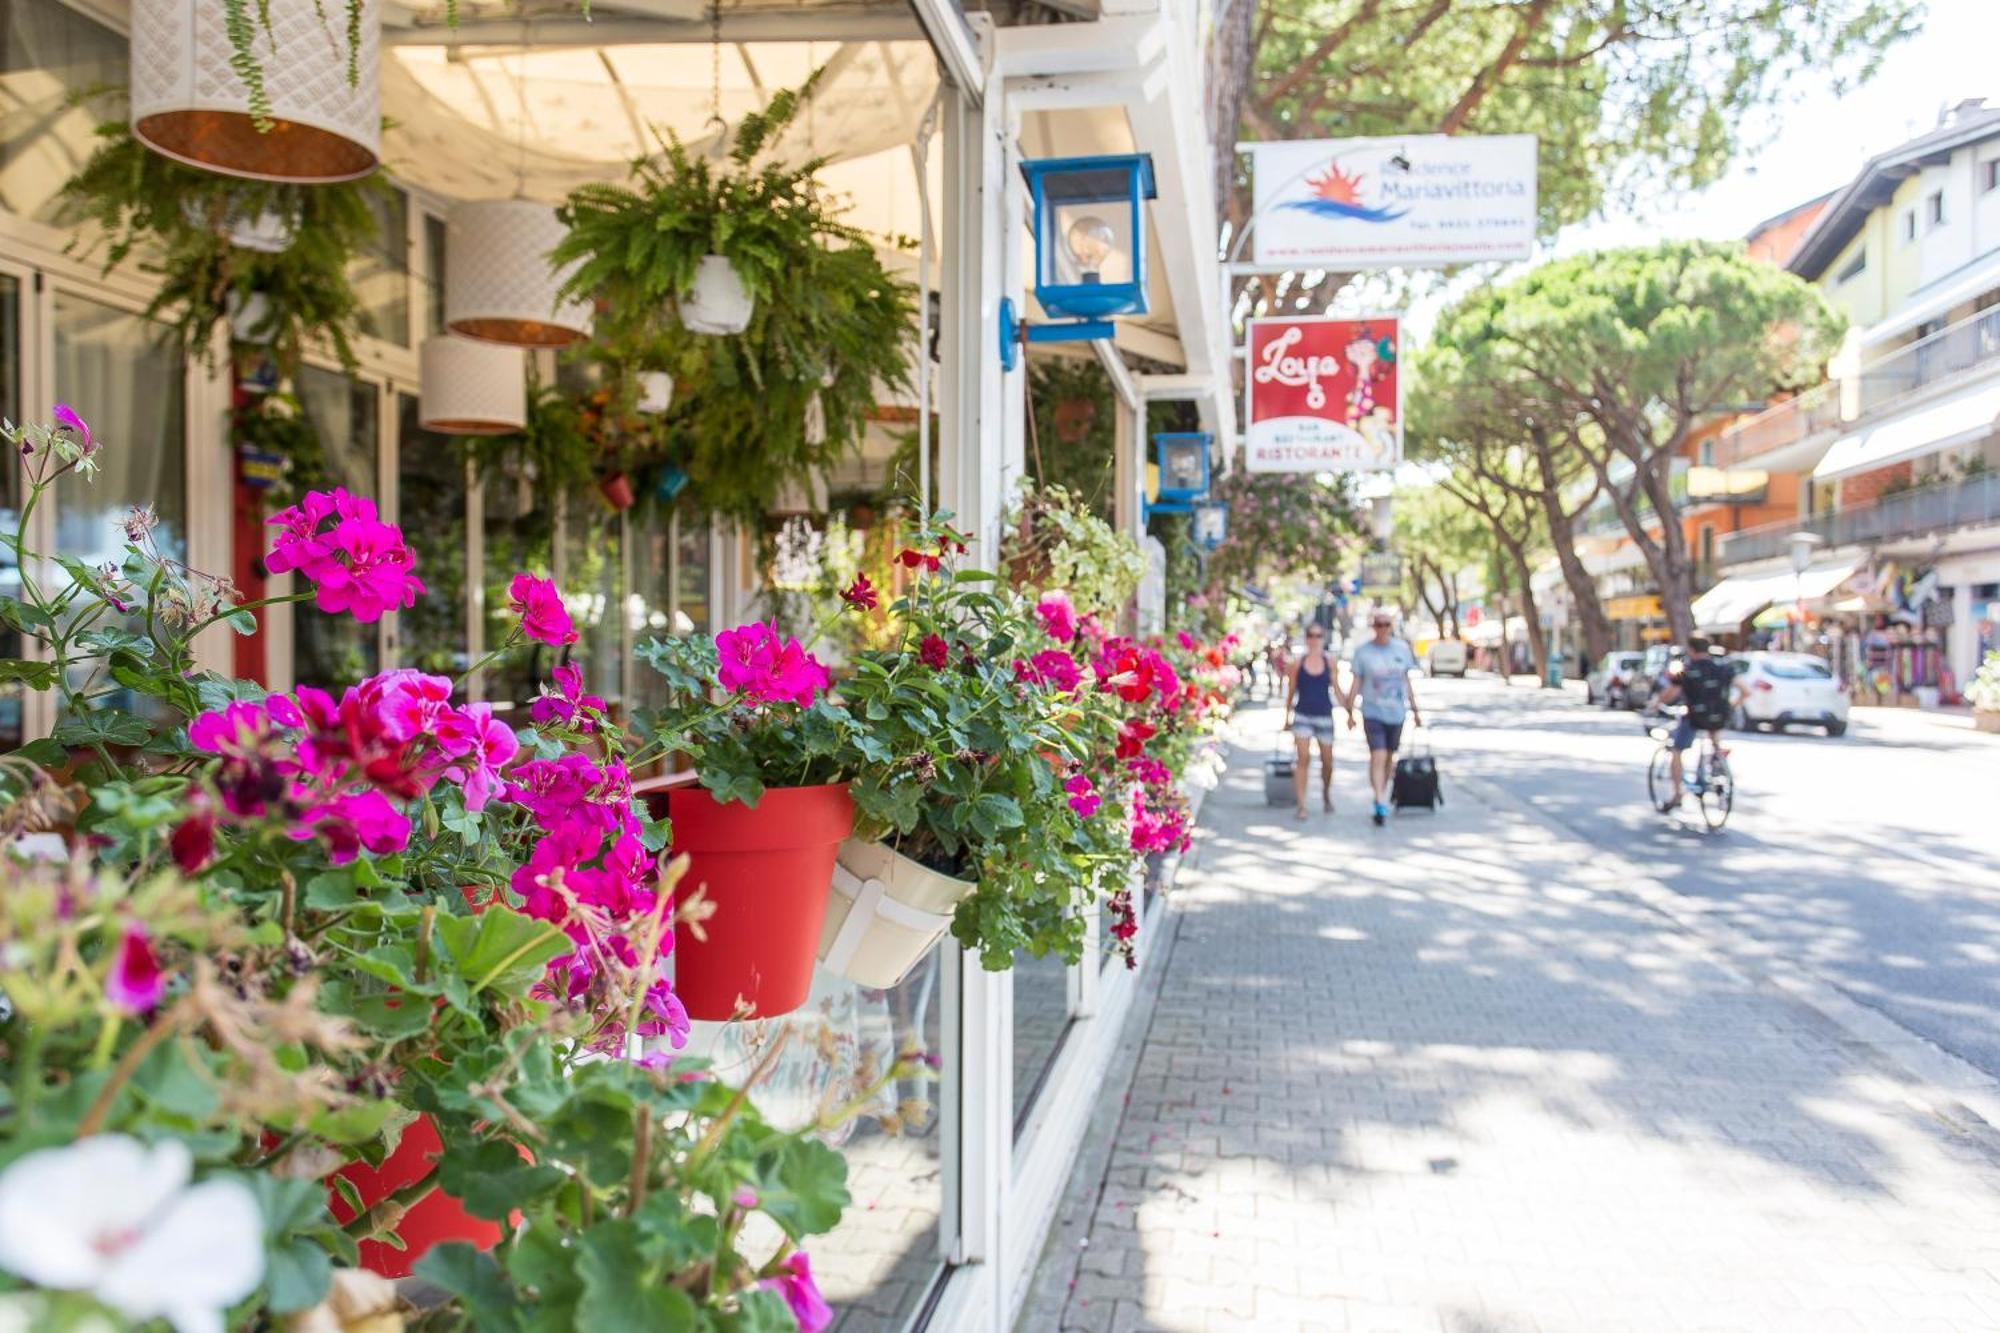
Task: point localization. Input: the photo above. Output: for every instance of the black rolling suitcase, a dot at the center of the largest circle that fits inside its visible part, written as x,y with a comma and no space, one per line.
1415,783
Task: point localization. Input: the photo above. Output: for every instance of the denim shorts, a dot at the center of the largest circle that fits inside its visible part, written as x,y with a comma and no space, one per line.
1683,734
1382,735
1309,728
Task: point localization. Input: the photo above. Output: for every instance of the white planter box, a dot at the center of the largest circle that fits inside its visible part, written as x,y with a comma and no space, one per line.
885,914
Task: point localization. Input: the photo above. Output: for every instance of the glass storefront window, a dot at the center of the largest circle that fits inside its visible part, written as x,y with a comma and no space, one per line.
381,275
691,570
112,367
51,55
336,651
593,588
430,499
1041,1020
876,1268
11,695
518,539
434,261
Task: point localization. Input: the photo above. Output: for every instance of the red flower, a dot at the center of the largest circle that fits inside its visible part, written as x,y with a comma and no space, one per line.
934,652
861,594
915,559
1132,738
137,981
193,841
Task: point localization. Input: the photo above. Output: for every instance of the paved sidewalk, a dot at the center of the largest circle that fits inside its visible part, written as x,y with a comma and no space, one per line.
1425,1078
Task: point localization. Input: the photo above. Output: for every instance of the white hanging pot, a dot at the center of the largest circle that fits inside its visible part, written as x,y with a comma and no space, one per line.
886,912
718,302
499,286
656,391
471,388
248,316
266,233
189,104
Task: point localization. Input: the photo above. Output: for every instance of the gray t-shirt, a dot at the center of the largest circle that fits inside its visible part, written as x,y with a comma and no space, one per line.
1383,673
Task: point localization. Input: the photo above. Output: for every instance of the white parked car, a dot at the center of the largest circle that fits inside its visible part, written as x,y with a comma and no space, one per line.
1447,658
1609,682
1784,689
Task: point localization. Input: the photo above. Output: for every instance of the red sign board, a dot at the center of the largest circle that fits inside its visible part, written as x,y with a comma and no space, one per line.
1323,395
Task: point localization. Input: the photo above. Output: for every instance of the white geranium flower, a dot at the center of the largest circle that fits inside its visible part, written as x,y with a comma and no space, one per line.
116,1218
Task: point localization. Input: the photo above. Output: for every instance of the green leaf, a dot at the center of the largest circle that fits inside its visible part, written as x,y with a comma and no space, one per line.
23,617
44,752
492,1180
108,726
620,1290
243,622
391,1017
500,948
107,641
803,1187
477,1280
298,1270
35,675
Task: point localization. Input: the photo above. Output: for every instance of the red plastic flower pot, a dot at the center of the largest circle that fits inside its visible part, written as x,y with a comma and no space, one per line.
432,1220
768,872
617,489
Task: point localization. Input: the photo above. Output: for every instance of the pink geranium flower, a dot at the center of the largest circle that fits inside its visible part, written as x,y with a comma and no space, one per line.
544,618
569,704
483,744
136,981
357,820
1057,668
765,667
1058,616
801,1293
934,652
1083,797
358,565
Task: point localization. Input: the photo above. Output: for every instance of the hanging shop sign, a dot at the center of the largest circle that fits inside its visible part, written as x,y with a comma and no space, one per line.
1424,200
1381,572
1323,395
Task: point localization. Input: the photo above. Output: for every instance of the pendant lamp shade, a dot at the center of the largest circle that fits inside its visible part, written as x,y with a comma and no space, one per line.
472,388
498,285
189,104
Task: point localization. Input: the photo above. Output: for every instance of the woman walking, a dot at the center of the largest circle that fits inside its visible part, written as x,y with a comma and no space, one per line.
1309,689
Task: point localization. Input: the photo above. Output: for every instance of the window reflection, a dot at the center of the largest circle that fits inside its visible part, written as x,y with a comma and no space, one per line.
593,589
50,56
1041,1019
381,274
112,367
430,500
336,651
519,535
12,694
877,1266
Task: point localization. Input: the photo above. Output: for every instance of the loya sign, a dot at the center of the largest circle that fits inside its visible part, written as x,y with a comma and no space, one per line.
1322,395
1424,200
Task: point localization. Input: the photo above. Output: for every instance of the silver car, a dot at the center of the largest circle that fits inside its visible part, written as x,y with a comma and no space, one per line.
1609,683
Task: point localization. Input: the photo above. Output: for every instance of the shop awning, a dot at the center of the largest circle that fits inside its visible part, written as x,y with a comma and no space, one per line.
1960,419
1737,598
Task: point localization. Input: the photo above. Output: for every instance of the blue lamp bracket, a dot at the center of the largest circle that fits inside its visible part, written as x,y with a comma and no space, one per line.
1015,331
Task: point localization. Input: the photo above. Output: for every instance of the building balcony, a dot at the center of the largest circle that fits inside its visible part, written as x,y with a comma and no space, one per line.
1814,412
1915,513
1970,344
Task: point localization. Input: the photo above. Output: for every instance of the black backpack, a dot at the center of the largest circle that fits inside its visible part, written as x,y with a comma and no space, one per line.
1705,689
1415,783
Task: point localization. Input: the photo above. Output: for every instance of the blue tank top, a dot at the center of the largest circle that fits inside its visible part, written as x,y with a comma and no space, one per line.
1315,696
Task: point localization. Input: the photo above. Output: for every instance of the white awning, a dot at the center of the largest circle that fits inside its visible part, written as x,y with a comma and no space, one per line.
1963,418
1729,603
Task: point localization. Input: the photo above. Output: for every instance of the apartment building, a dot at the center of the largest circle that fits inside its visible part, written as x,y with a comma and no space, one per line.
1890,563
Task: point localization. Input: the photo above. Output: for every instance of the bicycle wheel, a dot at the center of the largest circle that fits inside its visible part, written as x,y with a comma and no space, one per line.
1660,778
1718,791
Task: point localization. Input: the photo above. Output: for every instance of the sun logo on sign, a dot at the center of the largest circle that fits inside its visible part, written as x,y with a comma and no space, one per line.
1337,194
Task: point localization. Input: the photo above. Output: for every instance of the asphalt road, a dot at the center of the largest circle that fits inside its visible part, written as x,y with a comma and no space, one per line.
1872,860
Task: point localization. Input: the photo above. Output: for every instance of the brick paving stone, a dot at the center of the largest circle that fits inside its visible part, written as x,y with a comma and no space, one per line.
1431,1078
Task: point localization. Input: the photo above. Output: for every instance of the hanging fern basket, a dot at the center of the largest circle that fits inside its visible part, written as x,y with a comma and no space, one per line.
200,93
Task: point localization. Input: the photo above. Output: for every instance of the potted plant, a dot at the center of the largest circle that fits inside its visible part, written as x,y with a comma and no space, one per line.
791,392
326,981
1055,540
762,823
273,256
1984,695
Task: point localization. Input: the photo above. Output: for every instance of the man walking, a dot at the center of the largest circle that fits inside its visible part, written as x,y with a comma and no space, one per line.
1381,681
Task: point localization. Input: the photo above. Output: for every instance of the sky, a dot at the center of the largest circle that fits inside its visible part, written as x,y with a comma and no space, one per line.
1814,140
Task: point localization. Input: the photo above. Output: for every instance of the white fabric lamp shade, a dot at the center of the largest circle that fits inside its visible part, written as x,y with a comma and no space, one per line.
718,303
190,105
498,284
472,388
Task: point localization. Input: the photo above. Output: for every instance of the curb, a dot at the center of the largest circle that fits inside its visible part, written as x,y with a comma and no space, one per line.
1950,1088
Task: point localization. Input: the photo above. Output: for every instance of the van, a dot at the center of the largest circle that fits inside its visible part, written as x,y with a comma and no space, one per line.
1447,658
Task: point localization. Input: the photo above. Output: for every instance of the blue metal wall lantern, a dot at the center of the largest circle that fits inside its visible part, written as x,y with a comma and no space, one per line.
1211,524
1183,460
1090,247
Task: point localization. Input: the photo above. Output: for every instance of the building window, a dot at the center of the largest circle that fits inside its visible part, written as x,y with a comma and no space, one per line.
334,651
1934,208
1909,225
55,64
1989,175
1854,267
381,273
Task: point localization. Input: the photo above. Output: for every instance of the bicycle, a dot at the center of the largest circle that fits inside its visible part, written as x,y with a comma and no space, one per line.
1711,784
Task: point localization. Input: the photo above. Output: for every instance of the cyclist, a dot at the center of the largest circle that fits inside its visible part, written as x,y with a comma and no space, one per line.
1704,681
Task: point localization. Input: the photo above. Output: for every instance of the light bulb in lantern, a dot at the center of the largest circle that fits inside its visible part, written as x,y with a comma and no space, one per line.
1091,241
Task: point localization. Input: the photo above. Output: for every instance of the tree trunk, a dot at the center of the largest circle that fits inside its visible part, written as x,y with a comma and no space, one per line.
1538,642
1596,626
1232,59
1673,570
1448,588
1503,589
